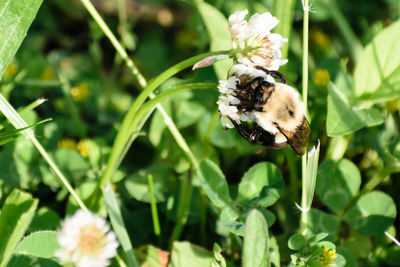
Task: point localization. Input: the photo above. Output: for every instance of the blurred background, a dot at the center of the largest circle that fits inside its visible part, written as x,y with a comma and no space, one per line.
66,59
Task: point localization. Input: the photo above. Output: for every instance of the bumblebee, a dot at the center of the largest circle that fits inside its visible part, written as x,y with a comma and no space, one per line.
279,114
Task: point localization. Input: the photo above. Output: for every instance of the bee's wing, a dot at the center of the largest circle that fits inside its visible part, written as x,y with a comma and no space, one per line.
298,138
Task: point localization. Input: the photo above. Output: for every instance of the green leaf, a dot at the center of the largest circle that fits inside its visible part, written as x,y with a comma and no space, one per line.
137,183
255,247
359,246
118,225
350,261
24,260
373,213
41,244
262,183
214,184
188,113
337,183
16,215
15,19
229,217
344,118
319,221
45,219
377,74
297,242
71,163
218,29
185,254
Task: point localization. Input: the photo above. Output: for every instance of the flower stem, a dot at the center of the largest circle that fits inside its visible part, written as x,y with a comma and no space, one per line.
303,221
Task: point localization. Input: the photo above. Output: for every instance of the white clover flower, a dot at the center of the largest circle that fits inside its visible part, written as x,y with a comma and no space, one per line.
228,101
86,240
255,36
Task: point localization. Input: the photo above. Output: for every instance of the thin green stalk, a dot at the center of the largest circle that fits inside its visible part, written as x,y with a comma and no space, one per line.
154,212
117,45
183,207
32,105
32,83
338,146
15,119
305,93
66,88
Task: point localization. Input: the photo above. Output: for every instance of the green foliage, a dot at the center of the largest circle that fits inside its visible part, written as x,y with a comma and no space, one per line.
255,246
372,214
16,215
17,16
376,76
118,225
41,244
337,183
186,254
232,202
220,38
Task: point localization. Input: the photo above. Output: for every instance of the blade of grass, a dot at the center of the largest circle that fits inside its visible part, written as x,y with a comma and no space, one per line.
15,20
66,89
15,119
118,225
154,212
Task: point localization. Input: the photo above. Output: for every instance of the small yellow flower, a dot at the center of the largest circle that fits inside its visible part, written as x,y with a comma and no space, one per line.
80,92
67,143
11,70
83,147
47,74
322,77
320,39
327,257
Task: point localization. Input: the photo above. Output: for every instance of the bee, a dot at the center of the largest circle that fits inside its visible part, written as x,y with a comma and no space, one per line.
279,114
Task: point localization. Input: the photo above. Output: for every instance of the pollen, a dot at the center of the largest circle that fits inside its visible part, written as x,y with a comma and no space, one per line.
322,77
327,257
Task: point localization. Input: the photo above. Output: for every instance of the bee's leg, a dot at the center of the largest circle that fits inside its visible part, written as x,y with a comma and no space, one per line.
273,73
251,135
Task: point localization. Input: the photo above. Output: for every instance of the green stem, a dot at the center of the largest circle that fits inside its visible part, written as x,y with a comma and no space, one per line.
32,83
303,221
338,146
185,197
66,88
154,212
117,45
15,119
